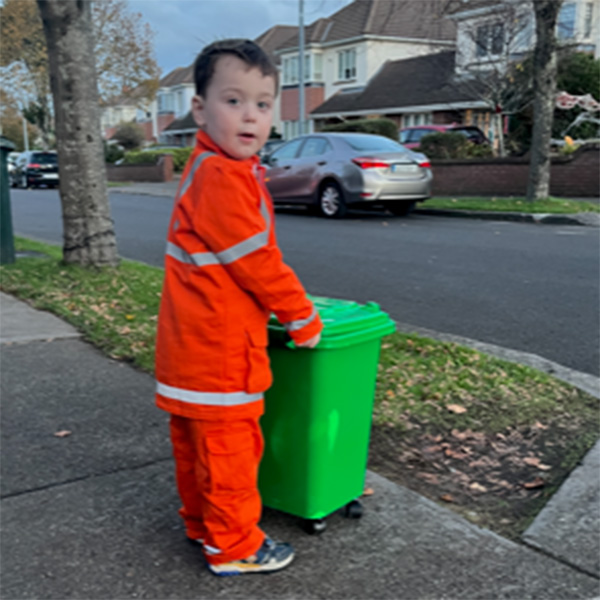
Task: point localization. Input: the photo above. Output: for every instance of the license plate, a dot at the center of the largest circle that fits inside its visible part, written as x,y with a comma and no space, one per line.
404,169
49,176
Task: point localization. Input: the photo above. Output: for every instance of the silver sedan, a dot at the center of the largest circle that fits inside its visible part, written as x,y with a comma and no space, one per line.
336,170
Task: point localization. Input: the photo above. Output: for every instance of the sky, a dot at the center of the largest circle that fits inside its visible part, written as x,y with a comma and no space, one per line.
183,27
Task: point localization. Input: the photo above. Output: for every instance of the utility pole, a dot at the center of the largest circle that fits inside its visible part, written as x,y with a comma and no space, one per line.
301,67
25,136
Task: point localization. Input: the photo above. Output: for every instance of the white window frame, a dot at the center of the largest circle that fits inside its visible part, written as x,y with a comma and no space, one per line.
485,36
347,64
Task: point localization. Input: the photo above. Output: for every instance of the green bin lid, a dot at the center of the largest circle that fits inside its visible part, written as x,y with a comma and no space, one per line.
345,323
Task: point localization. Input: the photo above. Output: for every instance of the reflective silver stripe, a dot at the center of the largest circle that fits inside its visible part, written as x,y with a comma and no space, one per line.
192,172
295,325
208,398
211,549
229,255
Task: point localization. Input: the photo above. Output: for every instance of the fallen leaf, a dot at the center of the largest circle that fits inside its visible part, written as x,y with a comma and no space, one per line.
432,449
477,487
429,478
538,425
455,454
368,491
456,409
447,498
536,483
130,317
62,434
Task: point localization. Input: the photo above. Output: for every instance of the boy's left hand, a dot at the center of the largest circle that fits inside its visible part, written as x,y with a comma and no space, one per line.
310,343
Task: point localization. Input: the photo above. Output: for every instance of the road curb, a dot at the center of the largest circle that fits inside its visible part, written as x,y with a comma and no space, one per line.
585,219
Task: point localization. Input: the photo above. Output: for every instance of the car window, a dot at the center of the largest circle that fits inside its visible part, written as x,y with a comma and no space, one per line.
405,137
314,147
418,134
287,151
373,143
44,158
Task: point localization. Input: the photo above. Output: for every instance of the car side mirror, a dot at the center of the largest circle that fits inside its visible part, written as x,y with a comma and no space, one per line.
271,160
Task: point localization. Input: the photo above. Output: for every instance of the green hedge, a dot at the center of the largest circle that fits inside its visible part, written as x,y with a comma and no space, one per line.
138,157
452,145
385,127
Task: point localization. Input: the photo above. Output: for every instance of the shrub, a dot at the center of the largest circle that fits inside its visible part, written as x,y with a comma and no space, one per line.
129,135
113,152
452,145
385,127
180,157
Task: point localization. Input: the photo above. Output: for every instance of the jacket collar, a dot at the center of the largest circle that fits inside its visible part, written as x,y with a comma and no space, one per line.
205,142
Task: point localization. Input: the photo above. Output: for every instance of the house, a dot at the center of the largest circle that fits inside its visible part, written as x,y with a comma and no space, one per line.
448,87
344,51
127,108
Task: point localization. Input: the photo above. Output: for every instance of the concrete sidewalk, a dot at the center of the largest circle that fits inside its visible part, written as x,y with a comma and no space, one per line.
93,514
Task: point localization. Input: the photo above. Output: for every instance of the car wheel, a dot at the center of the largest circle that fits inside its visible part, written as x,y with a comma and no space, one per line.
331,201
401,209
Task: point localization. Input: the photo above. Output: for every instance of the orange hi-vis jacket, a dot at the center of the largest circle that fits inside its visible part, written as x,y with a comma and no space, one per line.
224,276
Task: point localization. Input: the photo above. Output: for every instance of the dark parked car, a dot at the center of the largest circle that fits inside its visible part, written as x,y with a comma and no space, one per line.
35,168
336,170
411,136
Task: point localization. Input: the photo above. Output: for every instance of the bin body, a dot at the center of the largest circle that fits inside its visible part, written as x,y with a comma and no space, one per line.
318,412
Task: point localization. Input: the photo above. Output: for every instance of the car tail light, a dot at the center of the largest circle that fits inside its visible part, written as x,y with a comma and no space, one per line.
33,166
370,163
425,164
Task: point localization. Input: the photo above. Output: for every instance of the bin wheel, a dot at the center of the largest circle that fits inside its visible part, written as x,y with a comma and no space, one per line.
315,526
353,510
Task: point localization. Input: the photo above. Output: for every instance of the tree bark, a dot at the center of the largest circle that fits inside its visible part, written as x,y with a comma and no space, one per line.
88,230
544,87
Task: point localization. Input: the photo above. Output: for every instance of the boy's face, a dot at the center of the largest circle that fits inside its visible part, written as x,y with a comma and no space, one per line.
237,108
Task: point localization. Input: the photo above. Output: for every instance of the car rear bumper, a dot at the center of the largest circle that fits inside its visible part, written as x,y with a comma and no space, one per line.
378,189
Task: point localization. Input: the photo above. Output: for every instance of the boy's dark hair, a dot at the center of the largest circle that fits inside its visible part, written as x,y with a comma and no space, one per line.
246,50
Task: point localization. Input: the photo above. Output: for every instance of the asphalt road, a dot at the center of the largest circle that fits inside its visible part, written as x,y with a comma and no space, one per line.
533,288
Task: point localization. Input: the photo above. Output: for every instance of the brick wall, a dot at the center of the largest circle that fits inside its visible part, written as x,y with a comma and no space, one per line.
575,176
162,171
290,103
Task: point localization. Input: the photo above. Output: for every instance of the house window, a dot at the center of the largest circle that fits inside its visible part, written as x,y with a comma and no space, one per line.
587,23
165,103
318,67
291,129
347,64
412,119
291,75
489,40
565,28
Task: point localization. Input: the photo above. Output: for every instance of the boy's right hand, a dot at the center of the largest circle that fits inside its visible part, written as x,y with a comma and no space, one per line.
310,343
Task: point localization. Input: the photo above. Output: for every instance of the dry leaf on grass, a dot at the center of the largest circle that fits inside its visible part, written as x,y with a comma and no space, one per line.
62,434
457,409
538,482
429,478
477,487
447,498
368,491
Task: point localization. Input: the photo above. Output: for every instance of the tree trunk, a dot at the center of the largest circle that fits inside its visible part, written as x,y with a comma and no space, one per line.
88,230
544,87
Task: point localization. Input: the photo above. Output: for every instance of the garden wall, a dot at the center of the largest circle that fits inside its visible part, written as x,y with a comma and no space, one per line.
161,171
572,176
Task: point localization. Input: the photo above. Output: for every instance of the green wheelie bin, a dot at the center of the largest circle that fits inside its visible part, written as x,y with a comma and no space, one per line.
317,419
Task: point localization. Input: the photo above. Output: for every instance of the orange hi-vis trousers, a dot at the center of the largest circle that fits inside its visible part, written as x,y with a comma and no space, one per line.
216,466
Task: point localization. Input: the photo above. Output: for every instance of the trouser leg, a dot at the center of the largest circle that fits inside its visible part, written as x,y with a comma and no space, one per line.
221,498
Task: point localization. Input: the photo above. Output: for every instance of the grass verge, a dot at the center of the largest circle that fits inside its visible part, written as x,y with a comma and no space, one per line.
491,439
550,205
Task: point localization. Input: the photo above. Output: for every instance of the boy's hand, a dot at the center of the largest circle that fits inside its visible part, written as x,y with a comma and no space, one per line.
310,343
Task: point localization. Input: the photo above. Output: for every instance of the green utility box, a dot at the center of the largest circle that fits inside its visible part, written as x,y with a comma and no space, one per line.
317,419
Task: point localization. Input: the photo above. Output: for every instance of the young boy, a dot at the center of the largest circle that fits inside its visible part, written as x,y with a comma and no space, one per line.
224,276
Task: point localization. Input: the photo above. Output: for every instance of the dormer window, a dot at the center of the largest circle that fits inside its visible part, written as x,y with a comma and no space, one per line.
489,40
347,64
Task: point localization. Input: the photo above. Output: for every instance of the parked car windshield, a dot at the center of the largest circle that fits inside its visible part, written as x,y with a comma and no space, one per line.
44,158
376,143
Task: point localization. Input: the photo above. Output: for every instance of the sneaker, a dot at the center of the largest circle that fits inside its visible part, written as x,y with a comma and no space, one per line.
272,556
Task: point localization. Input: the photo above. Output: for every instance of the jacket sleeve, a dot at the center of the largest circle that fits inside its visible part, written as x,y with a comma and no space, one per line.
238,231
